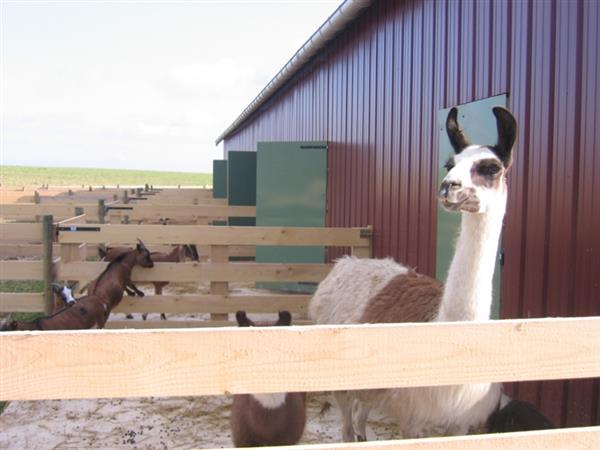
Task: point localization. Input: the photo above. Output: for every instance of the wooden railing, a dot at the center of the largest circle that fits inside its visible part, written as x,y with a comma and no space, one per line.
75,240
42,270
200,214
135,363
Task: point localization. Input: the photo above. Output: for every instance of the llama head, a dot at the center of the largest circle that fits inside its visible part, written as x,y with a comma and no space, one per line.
476,179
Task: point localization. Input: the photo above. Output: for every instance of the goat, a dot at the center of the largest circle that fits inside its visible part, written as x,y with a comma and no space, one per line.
89,311
111,283
267,419
177,254
63,295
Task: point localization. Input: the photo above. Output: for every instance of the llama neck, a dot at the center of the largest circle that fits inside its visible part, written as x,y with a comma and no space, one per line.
468,289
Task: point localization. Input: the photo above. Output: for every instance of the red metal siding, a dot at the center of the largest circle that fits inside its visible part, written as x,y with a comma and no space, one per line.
374,93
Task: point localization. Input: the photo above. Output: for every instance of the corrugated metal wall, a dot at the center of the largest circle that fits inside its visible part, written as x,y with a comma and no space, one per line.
374,95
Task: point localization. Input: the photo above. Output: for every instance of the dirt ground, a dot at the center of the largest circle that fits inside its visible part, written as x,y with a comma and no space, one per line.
152,423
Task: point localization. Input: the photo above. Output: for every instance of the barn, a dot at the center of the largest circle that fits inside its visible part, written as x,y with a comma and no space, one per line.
371,87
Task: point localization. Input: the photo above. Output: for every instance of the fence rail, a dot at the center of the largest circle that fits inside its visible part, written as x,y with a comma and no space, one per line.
203,235
322,358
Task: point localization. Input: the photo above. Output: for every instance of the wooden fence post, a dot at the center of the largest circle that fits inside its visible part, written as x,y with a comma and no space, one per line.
367,251
125,197
101,211
36,197
47,238
219,254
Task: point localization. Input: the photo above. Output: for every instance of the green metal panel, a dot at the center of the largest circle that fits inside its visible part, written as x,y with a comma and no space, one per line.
241,184
479,123
291,191
219,178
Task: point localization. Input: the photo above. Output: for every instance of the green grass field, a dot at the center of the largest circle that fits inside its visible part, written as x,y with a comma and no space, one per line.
68,176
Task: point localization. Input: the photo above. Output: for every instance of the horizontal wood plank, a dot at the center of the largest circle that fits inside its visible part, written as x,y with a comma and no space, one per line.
585,438
25,210
21,302
22,232
145,211
203,272
215,304
216,235
136,363
21,270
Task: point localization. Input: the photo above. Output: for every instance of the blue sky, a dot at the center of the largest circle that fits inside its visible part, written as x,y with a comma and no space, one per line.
143,84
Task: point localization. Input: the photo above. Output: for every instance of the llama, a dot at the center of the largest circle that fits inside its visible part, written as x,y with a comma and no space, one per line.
88,311
381,290
179,253
267,419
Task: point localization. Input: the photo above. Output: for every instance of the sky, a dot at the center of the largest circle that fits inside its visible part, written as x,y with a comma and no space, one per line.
138,84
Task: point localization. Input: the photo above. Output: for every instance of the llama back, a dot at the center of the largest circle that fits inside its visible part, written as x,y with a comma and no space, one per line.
343,295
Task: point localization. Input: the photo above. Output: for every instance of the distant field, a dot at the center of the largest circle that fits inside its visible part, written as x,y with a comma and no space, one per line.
67,176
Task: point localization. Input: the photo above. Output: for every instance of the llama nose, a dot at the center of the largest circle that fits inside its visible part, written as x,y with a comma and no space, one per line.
448,186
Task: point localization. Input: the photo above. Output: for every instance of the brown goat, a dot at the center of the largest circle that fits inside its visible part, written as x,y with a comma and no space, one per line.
111,284
87,312
177,254
267,419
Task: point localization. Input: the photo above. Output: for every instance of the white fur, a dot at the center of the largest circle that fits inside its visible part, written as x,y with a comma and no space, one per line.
350,286
270,401
67,295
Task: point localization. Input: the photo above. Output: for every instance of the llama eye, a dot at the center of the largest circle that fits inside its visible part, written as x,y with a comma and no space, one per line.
488,169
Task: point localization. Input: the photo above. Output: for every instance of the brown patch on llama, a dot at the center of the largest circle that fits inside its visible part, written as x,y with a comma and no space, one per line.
409,297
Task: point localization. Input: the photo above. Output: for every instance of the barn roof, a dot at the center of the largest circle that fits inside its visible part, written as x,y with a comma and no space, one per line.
336,23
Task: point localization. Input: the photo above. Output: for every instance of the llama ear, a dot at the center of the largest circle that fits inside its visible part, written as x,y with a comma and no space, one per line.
102,251
457,138
285,318
507,133
72,286
242,319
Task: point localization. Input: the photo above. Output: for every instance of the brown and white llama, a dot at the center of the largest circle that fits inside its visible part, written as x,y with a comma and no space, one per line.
267,419
381,290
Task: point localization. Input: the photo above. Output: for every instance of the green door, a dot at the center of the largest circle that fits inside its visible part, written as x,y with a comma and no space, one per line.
241,184
291,191
219,178
479,123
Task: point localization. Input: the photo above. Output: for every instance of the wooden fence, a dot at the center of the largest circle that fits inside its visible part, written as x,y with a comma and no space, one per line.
94,212
199,214
42,270
134,363
219,272
75,240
